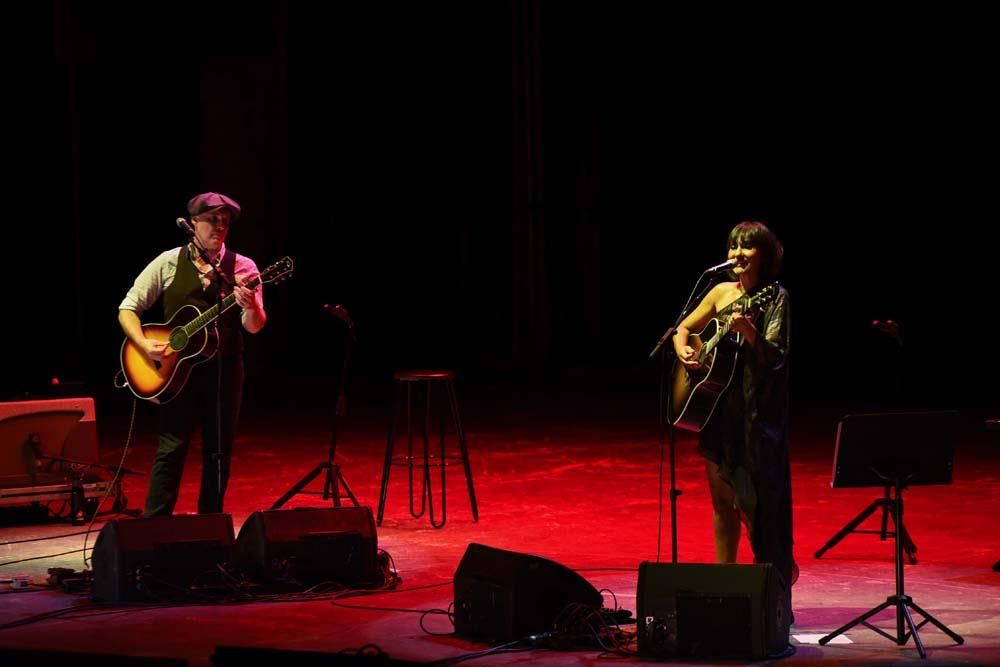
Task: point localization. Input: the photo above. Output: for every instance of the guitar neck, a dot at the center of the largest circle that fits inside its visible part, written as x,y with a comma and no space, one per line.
210,315
750,303
723,329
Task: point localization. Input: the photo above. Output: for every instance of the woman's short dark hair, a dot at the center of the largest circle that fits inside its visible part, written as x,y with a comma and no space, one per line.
754,234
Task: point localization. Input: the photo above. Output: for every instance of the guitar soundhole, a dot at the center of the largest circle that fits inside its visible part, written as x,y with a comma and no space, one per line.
178,339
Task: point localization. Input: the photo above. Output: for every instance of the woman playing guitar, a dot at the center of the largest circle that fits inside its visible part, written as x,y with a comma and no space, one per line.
745,441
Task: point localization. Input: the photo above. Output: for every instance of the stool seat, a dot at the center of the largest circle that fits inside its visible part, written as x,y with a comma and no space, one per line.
421,375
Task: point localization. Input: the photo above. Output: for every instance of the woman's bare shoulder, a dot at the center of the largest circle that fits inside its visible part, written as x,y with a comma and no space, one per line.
725,293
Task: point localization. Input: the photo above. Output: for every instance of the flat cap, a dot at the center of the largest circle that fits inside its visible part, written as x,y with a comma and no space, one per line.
208,201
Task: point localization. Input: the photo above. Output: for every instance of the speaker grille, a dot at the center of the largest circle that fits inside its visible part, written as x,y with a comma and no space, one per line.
310,545
689,610
160,557
502,595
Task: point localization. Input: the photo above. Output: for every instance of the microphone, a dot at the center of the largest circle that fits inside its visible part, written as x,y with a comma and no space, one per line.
729,263
184,226
340,313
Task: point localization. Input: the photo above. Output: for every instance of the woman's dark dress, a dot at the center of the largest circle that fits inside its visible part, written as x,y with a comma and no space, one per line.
747,436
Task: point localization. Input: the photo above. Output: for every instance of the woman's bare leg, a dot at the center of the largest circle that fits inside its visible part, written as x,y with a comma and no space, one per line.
725,516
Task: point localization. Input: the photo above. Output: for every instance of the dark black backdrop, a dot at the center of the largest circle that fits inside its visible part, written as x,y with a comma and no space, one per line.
510,189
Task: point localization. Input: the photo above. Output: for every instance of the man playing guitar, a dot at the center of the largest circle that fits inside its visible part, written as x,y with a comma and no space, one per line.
198,274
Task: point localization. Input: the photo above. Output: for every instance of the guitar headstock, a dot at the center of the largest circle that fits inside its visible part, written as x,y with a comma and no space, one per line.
764,296
280,270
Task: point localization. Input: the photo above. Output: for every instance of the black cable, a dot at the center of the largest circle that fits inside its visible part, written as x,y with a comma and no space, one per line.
99,609
25,560
396,609
403,590
392,580
45,616
613,597
41,539
103,609
579,626
509,647
114,483
314,593
451,619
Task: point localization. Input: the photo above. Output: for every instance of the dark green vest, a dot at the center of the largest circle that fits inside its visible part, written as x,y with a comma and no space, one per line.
186,289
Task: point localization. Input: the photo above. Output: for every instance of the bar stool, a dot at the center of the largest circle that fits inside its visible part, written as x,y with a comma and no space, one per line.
411,381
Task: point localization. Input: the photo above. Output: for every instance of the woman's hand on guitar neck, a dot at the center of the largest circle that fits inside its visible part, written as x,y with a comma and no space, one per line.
742,323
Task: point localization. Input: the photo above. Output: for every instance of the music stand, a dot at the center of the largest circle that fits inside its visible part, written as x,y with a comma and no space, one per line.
891,330
896,449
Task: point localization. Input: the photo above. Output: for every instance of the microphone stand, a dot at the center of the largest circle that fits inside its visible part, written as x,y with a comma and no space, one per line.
220,279
334,477
666,431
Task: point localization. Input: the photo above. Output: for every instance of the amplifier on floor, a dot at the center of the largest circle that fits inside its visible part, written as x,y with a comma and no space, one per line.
693,610
503,595
48,452
78,443
310,546
160,557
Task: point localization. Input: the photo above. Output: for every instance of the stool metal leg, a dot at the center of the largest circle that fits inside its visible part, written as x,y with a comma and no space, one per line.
442,463
453,400
409,457
387,464
411,461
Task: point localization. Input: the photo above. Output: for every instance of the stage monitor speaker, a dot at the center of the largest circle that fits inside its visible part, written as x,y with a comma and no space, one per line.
38,438
80,444
160,557
693,610
503,595
310,546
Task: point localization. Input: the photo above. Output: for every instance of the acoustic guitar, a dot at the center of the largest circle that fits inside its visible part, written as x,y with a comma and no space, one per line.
696,391
190,342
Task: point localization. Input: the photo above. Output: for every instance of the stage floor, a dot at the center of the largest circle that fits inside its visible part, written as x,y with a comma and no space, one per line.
577,486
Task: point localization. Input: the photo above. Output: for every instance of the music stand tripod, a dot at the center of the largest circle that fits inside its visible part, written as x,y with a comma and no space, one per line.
888,507
334,477
896,449
891,330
